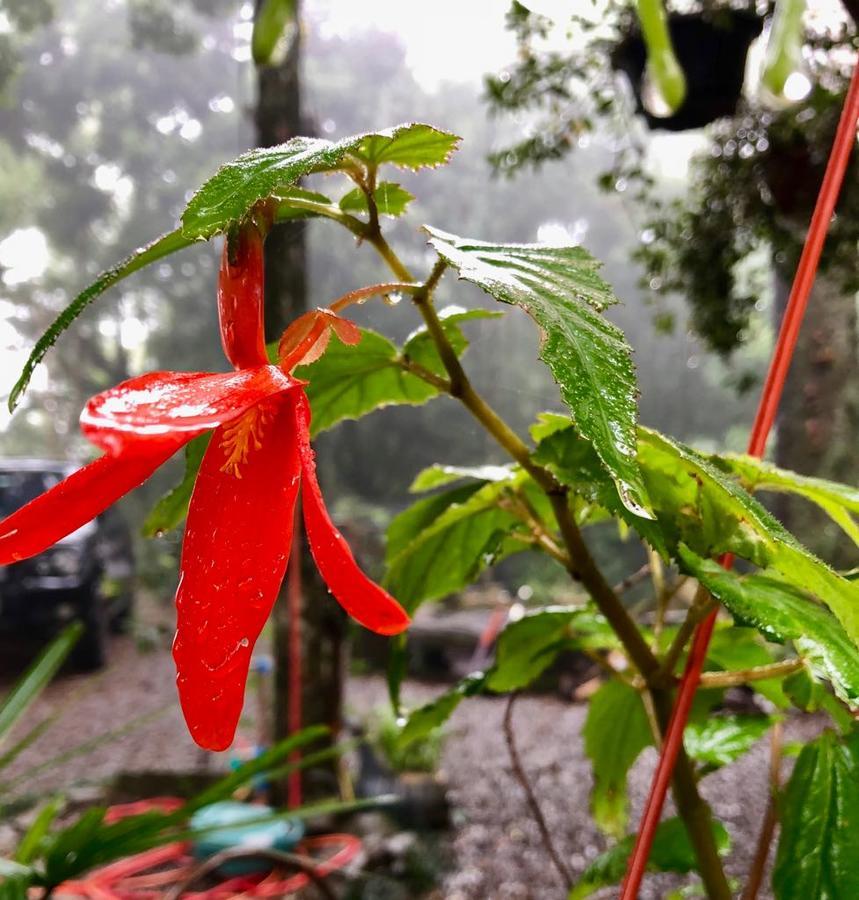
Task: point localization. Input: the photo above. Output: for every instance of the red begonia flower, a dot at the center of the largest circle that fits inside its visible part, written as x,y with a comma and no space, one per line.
239,531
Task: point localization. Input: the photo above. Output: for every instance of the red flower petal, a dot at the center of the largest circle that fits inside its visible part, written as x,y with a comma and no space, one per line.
236,548
80,497
363,599
167,403
241,286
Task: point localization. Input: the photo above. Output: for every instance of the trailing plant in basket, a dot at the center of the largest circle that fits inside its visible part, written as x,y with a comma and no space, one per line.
790,627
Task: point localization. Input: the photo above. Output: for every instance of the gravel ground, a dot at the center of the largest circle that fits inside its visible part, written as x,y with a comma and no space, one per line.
496,849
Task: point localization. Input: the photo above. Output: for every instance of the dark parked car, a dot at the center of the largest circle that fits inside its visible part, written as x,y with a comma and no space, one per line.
87,576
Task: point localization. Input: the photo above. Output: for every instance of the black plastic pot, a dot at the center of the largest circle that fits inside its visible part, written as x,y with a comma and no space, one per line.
712,53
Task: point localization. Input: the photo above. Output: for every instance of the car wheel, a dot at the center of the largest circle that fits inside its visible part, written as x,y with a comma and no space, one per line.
90,653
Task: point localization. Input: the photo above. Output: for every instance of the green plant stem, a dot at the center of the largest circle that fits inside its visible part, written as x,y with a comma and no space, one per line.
693,809
756,673
702,606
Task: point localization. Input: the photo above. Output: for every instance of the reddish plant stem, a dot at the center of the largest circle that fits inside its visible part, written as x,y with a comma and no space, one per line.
522,777
770,398
762,852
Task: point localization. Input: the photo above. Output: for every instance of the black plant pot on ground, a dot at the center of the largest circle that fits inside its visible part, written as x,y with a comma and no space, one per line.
712,53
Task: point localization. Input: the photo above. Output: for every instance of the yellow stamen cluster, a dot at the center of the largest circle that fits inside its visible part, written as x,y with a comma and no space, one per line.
241,436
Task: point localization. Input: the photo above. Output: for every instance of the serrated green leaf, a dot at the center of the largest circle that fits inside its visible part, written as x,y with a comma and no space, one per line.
450,550
426,718
588,356
440,476
574,462
413,521
391,200
671,852
347,382
839,501
615,732
420,348
721,739
171,510
158,249
818,850
527,647
697,504
413,146
781,613
230,194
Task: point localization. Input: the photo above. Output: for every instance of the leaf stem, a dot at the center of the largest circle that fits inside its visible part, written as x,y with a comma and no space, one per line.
374,290
702,606
770,820
756,673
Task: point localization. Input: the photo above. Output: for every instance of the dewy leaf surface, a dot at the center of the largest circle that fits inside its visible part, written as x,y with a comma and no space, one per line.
229,195
158,249
699,505
818,851
839,501
558,286
781,613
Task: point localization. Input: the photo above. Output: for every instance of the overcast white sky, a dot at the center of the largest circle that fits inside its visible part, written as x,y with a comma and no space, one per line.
464,38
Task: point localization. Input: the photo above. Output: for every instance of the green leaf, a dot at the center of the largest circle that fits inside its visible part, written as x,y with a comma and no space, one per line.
588,356
671,852
425,719
574,462
30,844
734,648
30,685
412,146
420,348
700,506
348,382
615,732
158,249
780,612
527,647
171,509
297,203
232,192
271,19
818,851
391,200
449,550
721,739
839,501
440,476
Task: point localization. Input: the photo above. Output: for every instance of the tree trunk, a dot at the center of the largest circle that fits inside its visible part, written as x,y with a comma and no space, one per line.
818,423
278,118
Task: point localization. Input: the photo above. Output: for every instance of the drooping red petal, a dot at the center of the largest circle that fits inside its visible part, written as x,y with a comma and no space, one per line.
241,289
366,602
79,498
236,548
164,403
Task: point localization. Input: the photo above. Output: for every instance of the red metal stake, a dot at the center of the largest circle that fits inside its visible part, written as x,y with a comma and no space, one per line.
845,138
294,713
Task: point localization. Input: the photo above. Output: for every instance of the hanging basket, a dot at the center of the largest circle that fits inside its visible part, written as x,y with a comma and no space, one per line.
712,53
